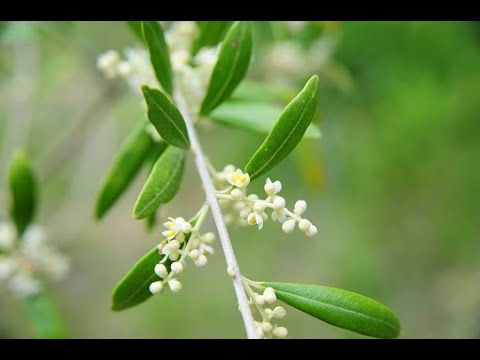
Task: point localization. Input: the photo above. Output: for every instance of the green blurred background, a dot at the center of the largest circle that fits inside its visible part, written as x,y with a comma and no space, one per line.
393,185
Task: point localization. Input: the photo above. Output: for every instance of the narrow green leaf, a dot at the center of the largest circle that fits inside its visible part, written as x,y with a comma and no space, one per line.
44,317
287,132
133,289
136,29
159,53
211,32
133,153
231,66
257,117
162,184
166,118
23,190
341,308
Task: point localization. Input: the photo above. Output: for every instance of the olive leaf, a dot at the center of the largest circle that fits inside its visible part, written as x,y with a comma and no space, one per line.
341,308
166,118
44,317
256,117
23,190
126,166
287,131
136,29
231,66
159,53
210,34
134,287
162,183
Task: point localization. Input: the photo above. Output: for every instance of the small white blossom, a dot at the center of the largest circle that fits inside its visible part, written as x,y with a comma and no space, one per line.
175,285
312,231
156,287
304,225
278,203
236,194
272,188
107,63
8,234
279,312
208,237
194,254
300,207
161,270
280,332
239,179
269,295
267,327
176,227
288,226
201,260
255,219
259,206
177,267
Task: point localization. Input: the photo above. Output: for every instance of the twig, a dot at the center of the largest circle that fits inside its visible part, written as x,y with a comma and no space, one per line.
232,264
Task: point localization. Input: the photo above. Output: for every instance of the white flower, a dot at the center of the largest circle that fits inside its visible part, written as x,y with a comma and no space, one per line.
175,227
279,215
156,287
208,237
194,254
8,234
288,226
23,285
201,260
304,225
300,207
278,203
107,63
280,332
272,188
279,312
176,267
239,179
259,299
259,206
269,295
175,285
312,231
7,267
161,270
267,326
236,194
172,250
255,219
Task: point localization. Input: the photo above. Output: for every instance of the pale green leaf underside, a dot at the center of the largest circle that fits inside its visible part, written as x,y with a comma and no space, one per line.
162,183
256,117
44,317
287,131
341,308
127,164
231,66
166,118
159,53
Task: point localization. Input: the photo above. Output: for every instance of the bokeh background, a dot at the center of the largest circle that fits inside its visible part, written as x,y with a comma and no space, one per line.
393,185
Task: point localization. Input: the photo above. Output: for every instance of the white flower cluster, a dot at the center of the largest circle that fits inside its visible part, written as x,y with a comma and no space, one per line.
265,328
284,62
25,261
192,73
251,210
176,248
